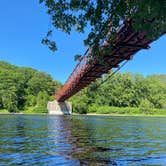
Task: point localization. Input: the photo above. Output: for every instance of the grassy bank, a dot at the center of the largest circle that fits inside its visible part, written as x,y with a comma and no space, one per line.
126,110
4,111
102,110
28,110
134,115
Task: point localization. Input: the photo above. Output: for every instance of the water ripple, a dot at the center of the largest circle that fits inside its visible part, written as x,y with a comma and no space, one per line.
82,140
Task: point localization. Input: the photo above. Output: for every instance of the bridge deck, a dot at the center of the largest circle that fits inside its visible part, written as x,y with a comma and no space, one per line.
126,44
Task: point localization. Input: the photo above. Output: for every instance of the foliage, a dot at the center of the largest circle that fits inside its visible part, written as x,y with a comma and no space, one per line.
125,110
147,15
123,90
4,111
27,89
80,103
113,110
39,109
30,100
21,88
42,99
146,107
9,101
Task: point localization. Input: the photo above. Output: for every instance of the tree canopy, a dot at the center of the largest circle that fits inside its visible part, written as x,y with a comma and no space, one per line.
22,87
123,90
148,16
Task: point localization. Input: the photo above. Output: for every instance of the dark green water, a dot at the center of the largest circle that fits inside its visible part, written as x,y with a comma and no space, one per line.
82,140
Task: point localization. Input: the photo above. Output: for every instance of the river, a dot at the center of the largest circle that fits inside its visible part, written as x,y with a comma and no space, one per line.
82,140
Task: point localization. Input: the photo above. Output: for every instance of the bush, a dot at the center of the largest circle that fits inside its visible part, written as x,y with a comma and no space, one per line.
93,109
4,111
159,111
146,107
80,108
30,101
113,110
39,109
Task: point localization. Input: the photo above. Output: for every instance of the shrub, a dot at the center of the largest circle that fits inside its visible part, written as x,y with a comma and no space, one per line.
113,110
80,108
39,109
30,100
146,107
4,111
93,108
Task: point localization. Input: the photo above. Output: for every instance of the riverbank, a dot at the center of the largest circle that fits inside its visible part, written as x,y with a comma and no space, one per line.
104,111
134,115
88,114
21,113
28,111
125,111
4,111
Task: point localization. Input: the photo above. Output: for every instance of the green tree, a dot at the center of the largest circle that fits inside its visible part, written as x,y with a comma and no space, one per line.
123,90
80,102
40,82
30,100
147,15
42,99
20,87
9,100
146,106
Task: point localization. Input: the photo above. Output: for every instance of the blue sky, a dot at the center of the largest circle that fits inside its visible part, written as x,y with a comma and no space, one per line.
24,23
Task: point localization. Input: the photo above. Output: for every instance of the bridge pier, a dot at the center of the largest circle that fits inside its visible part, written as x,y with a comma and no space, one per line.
59,108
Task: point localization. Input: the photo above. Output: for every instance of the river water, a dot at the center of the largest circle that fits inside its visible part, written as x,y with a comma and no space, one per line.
82,140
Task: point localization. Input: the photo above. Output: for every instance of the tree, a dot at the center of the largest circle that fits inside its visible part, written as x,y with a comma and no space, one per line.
40,82
30,100
22,87
9,100
146,106
42,99
80,102
147,15
123,90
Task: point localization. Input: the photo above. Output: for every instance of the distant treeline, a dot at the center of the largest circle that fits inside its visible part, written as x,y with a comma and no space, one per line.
24,88
28,90
130,91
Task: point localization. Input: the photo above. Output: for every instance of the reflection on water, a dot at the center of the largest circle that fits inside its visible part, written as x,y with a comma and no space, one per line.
82,140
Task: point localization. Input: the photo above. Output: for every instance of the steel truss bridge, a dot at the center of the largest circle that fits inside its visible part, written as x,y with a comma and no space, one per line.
126,44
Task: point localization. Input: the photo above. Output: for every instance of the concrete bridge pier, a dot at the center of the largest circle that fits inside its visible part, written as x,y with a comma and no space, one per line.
59,108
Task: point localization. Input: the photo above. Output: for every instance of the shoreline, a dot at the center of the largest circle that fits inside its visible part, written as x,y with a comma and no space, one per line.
90,114
21,113
134,115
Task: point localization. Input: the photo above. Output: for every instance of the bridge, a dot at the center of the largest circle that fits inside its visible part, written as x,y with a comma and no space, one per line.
126,44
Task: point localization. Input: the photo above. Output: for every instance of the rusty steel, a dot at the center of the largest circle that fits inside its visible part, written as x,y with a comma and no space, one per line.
126,44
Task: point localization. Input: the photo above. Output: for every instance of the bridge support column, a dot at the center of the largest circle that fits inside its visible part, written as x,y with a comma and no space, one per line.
59,108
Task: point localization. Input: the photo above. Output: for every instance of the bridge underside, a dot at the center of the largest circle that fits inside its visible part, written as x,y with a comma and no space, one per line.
126,44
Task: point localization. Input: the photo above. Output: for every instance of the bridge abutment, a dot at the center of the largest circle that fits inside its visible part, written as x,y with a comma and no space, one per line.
59,108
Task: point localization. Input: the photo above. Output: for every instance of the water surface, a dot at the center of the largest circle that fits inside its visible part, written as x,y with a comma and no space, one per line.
82,140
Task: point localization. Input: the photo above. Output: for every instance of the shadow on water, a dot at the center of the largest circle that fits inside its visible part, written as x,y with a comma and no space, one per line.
109,141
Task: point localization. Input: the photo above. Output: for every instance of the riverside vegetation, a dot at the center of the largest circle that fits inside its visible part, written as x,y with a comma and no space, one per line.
24,89
123,94
27,90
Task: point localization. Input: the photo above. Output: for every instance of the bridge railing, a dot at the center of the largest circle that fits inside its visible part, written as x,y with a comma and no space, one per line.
81,68
75,75
126,43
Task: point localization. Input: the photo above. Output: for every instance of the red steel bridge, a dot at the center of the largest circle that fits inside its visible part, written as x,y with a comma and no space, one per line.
125,45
